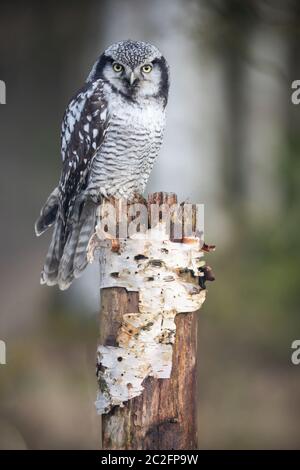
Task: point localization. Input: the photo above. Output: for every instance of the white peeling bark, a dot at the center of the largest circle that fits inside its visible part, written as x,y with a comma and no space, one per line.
166,276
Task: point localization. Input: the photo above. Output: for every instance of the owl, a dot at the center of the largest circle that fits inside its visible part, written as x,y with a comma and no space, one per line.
112,131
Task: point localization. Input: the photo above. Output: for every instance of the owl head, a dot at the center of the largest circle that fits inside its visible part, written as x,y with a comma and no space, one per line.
135,69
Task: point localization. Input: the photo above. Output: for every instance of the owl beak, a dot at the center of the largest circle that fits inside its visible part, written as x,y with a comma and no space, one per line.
132,78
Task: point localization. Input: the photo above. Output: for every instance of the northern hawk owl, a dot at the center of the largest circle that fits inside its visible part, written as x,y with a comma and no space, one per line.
112,131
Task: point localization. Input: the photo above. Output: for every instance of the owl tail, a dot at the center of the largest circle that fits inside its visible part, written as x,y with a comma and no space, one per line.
74,258
67,253
49,273
48,213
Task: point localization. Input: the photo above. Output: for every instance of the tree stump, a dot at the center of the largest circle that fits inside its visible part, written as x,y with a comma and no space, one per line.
151,289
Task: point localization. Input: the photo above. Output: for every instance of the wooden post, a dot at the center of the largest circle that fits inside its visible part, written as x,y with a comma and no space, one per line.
162,415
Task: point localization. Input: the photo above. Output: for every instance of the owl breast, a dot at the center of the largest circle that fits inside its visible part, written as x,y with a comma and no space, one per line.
131,144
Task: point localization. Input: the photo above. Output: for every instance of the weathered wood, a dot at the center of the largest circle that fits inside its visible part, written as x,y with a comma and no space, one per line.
164,415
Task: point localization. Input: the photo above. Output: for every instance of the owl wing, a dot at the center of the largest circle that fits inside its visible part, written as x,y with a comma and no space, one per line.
83,128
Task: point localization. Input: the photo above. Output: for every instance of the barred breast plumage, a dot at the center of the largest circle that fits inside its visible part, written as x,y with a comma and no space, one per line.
131,144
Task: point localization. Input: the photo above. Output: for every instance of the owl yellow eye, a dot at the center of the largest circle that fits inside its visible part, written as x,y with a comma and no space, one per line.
147,68
118,67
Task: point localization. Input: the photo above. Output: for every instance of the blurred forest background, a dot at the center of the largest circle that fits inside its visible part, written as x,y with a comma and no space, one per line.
232,143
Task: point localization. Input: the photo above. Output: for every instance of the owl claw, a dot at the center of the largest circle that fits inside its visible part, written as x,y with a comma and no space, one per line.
138,199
